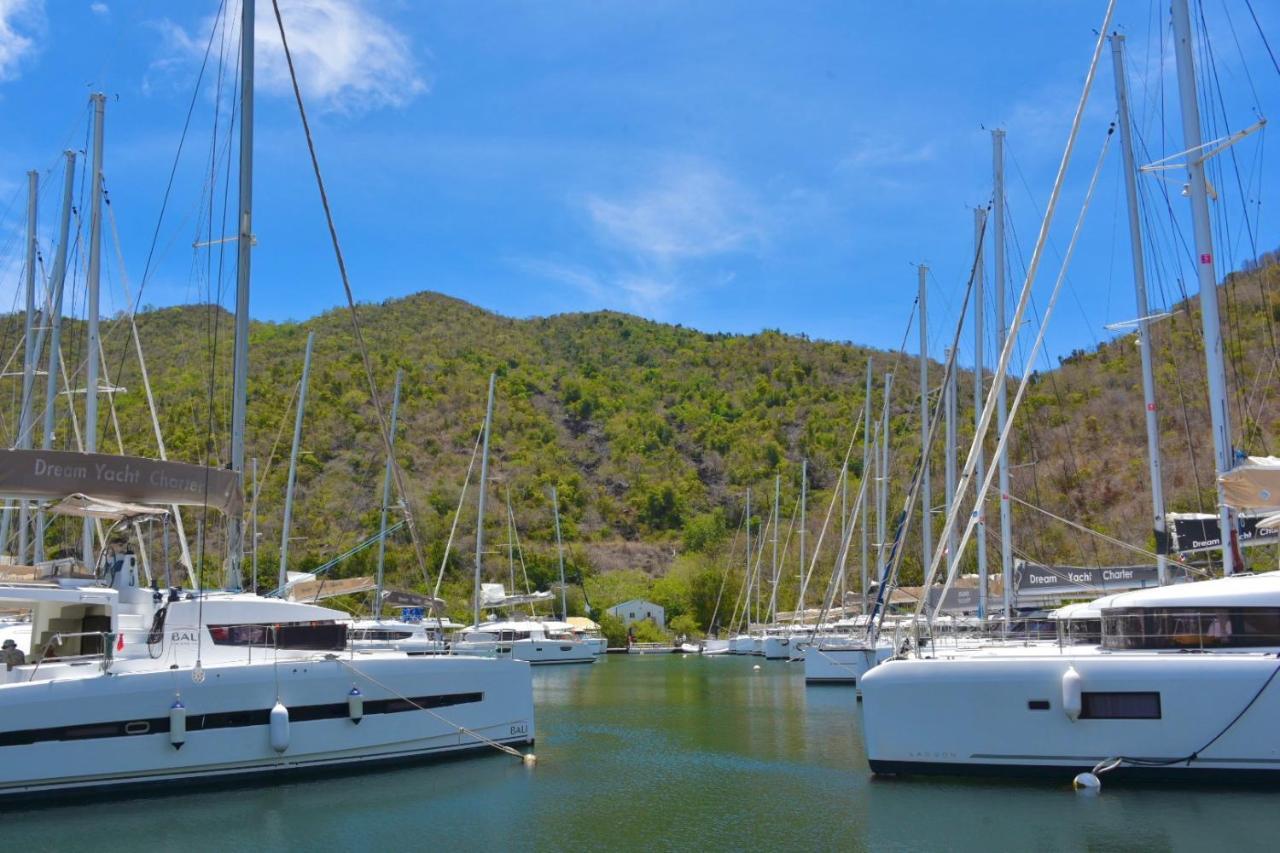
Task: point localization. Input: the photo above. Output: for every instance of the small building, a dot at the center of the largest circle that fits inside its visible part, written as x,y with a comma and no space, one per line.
638,610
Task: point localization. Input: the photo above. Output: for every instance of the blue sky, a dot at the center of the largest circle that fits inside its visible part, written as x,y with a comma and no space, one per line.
731,166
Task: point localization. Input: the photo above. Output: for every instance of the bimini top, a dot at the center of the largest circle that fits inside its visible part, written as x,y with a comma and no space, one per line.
1245,590
1254,484
54,474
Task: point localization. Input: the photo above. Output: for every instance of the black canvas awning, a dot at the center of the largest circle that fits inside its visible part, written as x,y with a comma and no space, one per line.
1196,531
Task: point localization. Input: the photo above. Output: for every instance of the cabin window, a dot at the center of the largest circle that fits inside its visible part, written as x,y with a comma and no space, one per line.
306,636
1191,628
1037,704
1120,706
1085,631
377,634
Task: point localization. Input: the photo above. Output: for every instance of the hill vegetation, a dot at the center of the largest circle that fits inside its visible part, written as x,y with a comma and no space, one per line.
652,434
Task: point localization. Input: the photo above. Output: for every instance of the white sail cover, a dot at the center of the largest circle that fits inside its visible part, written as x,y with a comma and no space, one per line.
495,595
1254,484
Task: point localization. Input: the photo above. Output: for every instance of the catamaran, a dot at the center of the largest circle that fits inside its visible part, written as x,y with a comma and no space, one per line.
1180,683
125,683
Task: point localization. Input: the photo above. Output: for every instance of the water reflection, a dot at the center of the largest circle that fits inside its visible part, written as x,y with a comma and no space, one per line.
663,752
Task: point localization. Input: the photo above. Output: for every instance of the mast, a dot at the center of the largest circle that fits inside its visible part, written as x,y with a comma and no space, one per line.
57,286
1140,298
95,270
244,246
511,539
882,512
555,509
804,497
979,396
484,487
949,409
747,610
777,499
926,497
293,462
867,453
253,521
845,521
1206,274
1002,414
30,353
386,498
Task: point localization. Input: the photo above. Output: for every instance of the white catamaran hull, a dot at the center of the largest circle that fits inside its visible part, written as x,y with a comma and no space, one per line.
544,652
777,648
715,647
842,663
50,740
1064,714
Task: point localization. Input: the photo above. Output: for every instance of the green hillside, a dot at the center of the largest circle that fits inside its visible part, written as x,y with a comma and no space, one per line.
651,432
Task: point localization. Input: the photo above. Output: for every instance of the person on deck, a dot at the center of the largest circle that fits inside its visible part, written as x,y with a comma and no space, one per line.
12,655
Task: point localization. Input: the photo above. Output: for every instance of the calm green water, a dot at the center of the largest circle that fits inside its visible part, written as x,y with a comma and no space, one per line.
658,753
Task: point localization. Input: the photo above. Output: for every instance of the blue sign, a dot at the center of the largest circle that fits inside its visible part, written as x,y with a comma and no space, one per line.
411,614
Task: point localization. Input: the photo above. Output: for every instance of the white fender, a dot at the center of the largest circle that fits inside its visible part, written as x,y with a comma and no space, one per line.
177,724
355,705
279,727
1087,782
1071,693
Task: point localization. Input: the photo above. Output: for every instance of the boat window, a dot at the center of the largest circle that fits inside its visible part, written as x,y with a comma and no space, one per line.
380,634
1087,631
1191,628
1037,704
308,636
1120,706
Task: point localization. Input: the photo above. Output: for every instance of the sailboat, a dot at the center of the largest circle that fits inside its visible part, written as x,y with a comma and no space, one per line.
534,641
127,684
1181,682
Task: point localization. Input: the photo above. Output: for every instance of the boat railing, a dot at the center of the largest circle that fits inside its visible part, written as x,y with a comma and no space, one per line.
105,654
969,633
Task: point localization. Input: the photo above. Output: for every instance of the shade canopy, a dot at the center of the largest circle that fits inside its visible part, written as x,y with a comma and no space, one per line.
1271,522
1254,484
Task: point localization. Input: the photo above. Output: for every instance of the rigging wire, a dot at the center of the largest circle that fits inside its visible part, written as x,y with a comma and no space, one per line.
1002,365
1249,5
383,426
724,578
1070,461
173,169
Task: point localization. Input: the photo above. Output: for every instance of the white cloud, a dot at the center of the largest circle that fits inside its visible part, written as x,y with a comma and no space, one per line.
348,59
99,9
880,152
21,23
657,243
644,294
688,211
577,277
